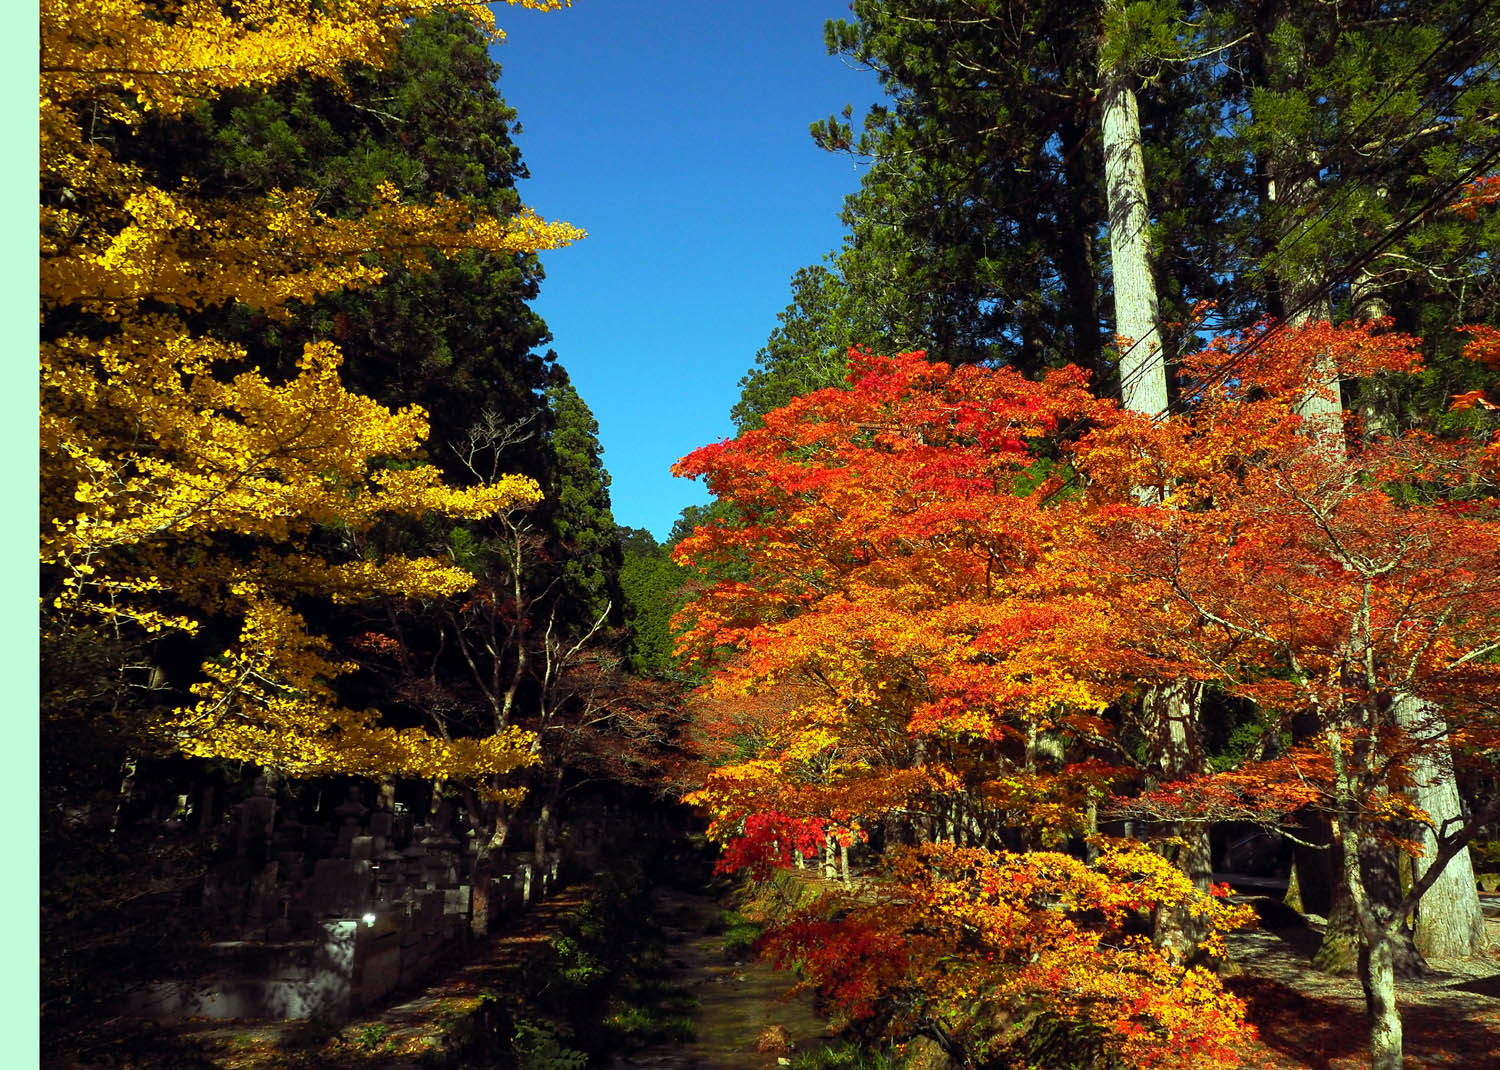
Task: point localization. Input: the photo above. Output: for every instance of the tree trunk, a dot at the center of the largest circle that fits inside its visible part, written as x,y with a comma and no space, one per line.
1291,173
1378,976
1076,263
1143,375
1342,943
1310,890
1450,922
546,819
1170,717
1339,951
1378,943
1306,301
1381,873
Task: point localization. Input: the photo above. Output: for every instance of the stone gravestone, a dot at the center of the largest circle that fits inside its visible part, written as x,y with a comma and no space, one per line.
340,887
257,814
351,812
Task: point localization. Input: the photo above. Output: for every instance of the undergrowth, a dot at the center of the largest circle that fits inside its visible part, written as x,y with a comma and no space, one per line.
601,986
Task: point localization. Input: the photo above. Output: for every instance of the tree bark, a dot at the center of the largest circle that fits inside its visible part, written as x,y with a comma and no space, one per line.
1450,922
1377,924
1291,173
546,819
1378,976
1143,375
1311,888
1305,300
1076,257
1343,943
1170,716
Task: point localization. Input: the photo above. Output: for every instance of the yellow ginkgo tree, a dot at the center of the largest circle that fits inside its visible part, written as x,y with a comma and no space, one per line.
183,490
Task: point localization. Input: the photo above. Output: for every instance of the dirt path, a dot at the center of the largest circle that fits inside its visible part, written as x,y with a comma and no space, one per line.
739,1000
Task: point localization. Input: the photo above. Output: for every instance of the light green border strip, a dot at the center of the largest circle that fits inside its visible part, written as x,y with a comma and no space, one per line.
20,782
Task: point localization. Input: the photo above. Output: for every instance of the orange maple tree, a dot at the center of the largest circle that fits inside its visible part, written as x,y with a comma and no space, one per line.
1356,588
896,532
925,667
974,948
947,576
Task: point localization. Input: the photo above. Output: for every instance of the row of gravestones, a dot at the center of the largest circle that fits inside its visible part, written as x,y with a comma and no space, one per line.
362,926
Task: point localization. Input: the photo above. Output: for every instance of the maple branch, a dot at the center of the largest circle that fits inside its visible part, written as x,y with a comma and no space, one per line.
1477,652
1448,848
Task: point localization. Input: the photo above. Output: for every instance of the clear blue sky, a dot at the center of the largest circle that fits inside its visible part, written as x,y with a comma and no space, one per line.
675,133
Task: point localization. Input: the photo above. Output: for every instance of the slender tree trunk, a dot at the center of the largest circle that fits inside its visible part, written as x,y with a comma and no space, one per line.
1381,872
1310,890
1170,712
1344,940
1378,976
1305,300
1301,290
1339,951
1377,924
1170,716
546,818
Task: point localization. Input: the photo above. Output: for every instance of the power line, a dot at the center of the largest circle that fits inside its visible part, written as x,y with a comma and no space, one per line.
1350,184
1348,270
1350,187
1347,273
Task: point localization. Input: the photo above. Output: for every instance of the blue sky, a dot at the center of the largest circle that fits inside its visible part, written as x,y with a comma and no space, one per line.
675,133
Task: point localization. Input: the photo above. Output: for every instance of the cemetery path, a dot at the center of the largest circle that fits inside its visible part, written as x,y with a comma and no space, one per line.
408,1027
741,1006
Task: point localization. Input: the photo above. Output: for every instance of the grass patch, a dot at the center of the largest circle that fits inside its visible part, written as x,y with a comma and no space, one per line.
846,1055
739,932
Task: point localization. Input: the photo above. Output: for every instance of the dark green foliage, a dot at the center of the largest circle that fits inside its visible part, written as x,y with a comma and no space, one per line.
600,987
809,351
461,340
1381,107
655,589
979,231
1376,113
577,509
739,932
972,234
652,588
694,516
845,1055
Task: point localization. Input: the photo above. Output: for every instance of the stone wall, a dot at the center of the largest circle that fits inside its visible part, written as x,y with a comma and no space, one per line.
318,924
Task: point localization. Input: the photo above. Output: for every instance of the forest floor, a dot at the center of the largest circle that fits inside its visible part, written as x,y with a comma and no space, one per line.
1310,1020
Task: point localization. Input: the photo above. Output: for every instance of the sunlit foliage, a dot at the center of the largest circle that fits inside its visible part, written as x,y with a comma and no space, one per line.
183,490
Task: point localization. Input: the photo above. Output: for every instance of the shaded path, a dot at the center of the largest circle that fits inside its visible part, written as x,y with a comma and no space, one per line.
739,999
1309,1020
